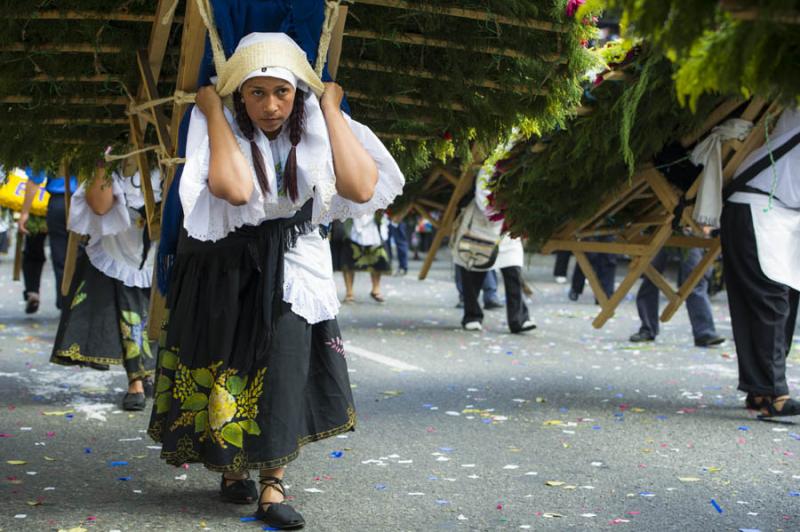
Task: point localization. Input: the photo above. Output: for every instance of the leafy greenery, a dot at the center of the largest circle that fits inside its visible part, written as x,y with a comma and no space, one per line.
632,120
718,48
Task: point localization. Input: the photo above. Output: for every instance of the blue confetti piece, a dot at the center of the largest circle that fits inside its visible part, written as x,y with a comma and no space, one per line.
794,494
446,449
661,418
70,416
563,410
124,479
619,395
597,427
794,436
117,464
749,530
647,494
268,528
744,428
380,487
487,421
87,450
337,454
716,506
247,519
442,502
427,405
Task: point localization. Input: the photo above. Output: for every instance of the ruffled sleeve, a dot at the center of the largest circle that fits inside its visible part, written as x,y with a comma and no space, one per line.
390,182
207,217
84,221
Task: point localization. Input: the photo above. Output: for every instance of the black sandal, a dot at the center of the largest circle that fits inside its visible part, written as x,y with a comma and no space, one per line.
238,491
750,402
278,515
790,408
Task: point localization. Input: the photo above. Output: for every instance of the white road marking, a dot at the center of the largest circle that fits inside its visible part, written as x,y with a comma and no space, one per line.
381,359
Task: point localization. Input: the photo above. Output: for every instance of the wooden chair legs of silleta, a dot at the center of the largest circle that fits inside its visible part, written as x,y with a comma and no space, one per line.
648,206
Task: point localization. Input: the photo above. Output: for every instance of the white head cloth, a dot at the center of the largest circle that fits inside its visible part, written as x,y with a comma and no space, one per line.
259,51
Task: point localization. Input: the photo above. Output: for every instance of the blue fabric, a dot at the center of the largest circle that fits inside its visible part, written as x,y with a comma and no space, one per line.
300,19
55,185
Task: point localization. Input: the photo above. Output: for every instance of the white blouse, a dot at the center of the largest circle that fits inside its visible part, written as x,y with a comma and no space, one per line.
308,272
366,231
115,238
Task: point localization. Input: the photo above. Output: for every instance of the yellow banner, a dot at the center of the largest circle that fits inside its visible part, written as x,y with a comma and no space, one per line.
12,194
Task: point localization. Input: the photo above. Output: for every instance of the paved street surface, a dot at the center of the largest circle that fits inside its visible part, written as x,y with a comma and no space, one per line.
563,428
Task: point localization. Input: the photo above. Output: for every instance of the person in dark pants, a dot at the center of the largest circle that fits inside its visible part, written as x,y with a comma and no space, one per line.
516,311
605,266
561,266
397,235
489,287
33,257
763,316
698,305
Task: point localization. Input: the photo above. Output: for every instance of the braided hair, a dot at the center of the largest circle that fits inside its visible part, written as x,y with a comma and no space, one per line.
296,124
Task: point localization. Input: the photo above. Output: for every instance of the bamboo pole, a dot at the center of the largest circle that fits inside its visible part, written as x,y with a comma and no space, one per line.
18,244
371,66
471,14
421,40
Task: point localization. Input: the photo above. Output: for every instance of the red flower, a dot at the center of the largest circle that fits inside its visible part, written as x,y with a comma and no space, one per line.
447,135
572,7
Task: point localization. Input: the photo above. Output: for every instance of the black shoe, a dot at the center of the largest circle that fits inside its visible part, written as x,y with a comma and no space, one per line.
32,303
460,304
528,325
240,491
790,407
573,295
492,305
708,341
133,401
278,515
150,389
642,336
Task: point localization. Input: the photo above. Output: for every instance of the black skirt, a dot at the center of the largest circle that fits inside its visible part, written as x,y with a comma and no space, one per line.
104,323
220,400
355,257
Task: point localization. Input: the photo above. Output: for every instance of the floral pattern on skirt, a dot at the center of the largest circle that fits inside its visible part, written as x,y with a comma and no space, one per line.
105,323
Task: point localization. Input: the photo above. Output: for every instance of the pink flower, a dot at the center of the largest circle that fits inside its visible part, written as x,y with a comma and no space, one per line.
572,7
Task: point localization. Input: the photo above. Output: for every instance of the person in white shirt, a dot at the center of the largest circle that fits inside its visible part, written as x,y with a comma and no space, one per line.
104,319
365,251
760,231
251,364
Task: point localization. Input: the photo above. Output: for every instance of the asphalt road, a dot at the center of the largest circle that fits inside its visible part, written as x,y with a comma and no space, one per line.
563,428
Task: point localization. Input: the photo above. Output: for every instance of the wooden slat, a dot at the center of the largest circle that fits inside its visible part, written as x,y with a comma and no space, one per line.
403,100
471,14
434,175
152,216
83,121
660,282
421,40
74,100
681,241
465,182
617,248
714,119
453,180
432,204
54,14
79,48
19,241
635,270
427,215
335,48
95,78
371,66
591,276
151,93
192,48
695,277
754,140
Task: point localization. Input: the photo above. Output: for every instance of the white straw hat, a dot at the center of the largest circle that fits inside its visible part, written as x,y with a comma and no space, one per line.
258,52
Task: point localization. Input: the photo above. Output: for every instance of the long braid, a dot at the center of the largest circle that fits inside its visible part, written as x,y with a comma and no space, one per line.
296,126
246,126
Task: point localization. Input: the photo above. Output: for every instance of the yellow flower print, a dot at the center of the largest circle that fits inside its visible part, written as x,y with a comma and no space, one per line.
221,407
